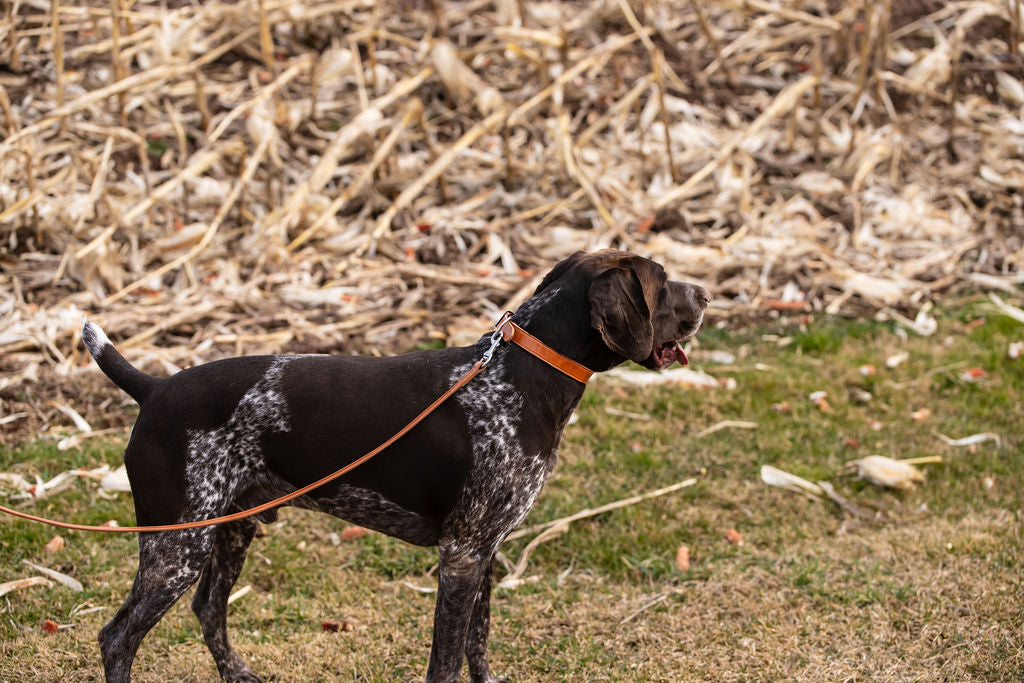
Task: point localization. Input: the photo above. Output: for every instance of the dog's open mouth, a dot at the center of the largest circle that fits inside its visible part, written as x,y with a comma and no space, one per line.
668,353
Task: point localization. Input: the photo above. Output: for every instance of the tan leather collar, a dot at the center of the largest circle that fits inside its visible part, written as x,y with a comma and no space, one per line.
511,332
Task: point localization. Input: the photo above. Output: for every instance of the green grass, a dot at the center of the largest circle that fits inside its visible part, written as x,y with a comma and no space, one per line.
931,591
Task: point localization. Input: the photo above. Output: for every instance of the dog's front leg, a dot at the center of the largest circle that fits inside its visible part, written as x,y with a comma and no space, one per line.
479,627
460,573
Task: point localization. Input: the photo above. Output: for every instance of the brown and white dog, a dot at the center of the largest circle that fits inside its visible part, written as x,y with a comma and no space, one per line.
235,433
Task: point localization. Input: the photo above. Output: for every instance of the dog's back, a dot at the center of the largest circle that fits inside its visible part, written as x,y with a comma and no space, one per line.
237,430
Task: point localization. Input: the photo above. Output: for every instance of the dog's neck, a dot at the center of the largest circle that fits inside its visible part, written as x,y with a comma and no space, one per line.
556,317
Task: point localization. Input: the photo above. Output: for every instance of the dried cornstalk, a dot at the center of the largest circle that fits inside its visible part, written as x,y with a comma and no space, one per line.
829,202
434,171
200,162
784,102
412,112
250,169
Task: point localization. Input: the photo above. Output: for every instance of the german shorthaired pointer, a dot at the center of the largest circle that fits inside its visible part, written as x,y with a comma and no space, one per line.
234,433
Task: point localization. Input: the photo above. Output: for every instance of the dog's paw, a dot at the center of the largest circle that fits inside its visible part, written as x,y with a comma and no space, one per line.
236,670
245,676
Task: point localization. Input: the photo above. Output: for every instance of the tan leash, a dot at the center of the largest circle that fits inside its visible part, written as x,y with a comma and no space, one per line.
542,351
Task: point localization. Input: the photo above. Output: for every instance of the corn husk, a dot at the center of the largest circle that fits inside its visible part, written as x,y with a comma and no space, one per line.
883,471
784,480
219,181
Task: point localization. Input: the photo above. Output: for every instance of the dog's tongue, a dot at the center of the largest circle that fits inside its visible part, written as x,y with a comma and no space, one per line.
681,355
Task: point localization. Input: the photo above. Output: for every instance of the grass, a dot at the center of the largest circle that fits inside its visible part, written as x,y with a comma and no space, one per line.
933,592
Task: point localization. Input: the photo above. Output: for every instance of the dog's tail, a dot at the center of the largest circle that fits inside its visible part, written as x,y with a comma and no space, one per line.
136,383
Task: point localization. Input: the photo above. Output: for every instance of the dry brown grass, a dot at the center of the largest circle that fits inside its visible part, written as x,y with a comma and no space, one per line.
935,614
931,590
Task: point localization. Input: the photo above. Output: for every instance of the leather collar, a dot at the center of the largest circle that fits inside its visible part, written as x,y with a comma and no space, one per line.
511,332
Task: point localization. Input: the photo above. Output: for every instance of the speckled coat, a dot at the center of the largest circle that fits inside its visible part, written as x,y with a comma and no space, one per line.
231,434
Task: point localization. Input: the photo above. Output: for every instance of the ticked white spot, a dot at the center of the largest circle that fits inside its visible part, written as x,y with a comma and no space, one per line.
222,462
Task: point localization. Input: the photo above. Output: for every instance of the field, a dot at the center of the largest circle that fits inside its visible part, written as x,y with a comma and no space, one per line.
928,588
237,177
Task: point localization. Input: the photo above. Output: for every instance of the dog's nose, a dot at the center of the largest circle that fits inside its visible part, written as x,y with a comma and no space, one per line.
701,296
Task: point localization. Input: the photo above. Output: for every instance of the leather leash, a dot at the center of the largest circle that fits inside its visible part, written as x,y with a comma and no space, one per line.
506,331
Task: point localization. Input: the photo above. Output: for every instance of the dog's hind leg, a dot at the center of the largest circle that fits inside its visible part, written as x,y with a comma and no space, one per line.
169,563
210,602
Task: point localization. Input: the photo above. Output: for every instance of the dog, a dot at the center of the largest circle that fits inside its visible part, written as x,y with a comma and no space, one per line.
234,433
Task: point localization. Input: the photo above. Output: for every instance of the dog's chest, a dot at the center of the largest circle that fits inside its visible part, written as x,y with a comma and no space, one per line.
506,476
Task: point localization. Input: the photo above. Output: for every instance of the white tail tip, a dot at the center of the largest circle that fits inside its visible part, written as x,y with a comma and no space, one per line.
93,338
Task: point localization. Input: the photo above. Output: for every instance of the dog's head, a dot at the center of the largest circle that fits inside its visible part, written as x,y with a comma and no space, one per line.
640,314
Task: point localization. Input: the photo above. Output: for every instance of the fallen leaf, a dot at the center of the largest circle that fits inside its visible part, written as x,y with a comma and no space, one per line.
782,407
50,626
867,370
896,359
645,225
679,377
725,424
239,593
1012,311
920,415
860,396
616,412
773,476
971,440
71,582
683,558
780,305
56,544
734,537
721,357
973,375
819,399
974,324
352,533
852,443
77,419
336,626
116,480
17,584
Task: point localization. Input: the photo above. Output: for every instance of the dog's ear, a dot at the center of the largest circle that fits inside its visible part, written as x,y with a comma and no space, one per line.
622,301
559,270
